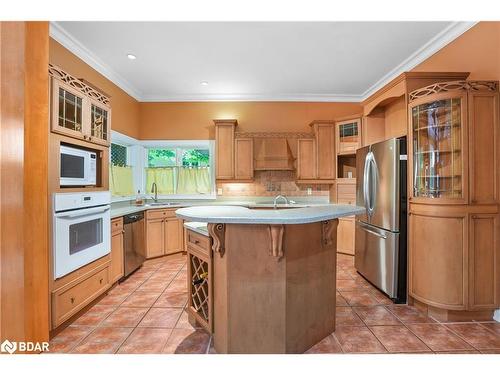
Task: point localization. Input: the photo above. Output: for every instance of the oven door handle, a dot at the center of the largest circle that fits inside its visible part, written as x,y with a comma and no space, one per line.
84,212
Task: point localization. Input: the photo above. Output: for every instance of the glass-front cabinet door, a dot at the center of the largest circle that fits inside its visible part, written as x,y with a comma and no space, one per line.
100,117
78,115
348,137
437,141
68,112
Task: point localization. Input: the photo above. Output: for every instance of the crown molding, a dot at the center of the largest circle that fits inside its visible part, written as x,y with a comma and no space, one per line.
58,33
252,98
450,33
446,36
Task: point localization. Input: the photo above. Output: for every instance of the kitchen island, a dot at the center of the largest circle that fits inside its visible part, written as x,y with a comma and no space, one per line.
273,275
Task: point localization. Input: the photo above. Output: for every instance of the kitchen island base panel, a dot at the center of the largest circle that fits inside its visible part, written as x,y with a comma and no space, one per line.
272,299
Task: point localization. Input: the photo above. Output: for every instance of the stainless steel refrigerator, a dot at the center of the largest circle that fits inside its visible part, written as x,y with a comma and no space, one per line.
380,243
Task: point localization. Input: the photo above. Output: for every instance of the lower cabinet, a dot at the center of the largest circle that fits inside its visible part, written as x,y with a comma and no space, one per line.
345,235
70,298
116,270
344,192
164,233
454,258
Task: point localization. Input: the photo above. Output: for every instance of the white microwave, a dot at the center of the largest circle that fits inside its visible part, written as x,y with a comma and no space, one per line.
78,167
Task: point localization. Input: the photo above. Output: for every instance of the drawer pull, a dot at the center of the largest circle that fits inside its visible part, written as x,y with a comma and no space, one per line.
72,299
100,281
196,242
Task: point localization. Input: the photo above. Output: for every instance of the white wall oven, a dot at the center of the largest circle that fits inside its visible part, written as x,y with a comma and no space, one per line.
82,226
78,167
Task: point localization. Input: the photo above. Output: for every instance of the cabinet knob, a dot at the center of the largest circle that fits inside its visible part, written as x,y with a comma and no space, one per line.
72,299
196,242
100,281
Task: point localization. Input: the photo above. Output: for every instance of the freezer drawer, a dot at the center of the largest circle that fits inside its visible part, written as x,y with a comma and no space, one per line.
377,256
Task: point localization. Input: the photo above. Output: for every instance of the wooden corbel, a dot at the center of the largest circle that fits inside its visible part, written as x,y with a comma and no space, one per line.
276,240
327,231
217,232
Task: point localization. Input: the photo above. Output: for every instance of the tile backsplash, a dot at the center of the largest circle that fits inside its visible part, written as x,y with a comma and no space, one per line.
271,183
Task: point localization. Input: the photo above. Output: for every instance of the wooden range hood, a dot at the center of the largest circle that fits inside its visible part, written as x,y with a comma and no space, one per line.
273,154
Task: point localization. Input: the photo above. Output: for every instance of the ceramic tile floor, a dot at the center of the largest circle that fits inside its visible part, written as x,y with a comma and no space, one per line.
145,314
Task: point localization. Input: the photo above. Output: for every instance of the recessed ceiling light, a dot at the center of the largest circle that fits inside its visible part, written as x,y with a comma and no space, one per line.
204,83
131,57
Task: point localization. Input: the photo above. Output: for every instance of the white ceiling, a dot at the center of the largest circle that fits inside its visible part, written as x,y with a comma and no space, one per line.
296,61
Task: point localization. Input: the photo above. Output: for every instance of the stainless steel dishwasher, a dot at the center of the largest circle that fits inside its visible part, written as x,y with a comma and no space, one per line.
133,242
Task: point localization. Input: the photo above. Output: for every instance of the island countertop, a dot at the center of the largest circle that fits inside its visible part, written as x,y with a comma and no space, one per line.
282,215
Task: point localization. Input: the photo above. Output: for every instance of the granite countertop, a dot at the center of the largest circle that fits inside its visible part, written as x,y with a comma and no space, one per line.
245,215
130,208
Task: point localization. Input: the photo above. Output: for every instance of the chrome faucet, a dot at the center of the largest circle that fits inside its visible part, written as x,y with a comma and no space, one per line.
154,189
275,204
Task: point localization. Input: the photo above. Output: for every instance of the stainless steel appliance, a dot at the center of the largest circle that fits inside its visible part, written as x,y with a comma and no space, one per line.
78,167
133,242
81,225
380,234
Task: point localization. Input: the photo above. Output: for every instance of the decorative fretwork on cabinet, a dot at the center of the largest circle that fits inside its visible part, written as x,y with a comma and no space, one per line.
78,109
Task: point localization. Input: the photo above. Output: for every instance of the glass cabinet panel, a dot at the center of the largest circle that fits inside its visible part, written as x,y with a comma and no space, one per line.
437,149
70,111
348,136
99,118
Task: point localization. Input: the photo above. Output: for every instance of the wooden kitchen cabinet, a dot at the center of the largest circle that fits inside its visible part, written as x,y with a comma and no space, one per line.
325,149
316,156
243,159
116,267
344,192
224,149
164,233
79,110
75,295
348,136
345,235
454,252
173,235
306,159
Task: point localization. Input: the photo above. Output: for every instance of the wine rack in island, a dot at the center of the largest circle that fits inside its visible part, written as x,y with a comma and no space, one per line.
200,291
454,223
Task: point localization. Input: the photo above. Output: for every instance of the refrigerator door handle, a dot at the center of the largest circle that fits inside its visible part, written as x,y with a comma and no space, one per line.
373,183
365,184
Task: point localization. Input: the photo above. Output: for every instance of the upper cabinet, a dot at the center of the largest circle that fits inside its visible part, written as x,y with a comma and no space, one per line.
243,159
325,149
224,149
316,154
306,159
438,126
348,136
78,110
454,130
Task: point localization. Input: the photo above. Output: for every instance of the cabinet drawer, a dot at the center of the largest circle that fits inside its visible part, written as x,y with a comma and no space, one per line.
160,214
198,242
116,225
74,296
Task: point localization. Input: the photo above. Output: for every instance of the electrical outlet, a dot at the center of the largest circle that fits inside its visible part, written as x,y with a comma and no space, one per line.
219,191
309,191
